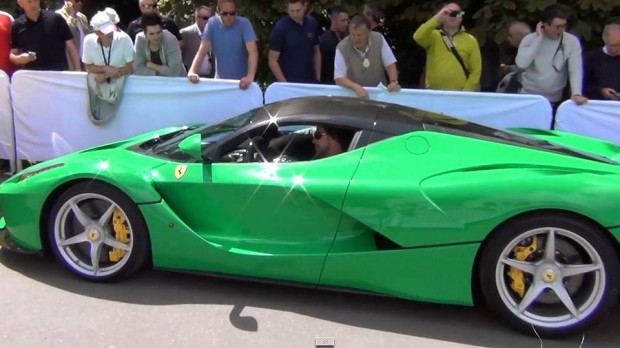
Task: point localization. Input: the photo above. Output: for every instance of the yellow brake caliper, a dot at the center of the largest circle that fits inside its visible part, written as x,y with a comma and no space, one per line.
120,233
521,253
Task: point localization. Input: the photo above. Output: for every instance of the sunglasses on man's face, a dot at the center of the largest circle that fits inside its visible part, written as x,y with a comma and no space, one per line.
227,13
148,6
318,135
206,18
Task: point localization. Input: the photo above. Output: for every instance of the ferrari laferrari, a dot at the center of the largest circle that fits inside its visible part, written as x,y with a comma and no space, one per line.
415,204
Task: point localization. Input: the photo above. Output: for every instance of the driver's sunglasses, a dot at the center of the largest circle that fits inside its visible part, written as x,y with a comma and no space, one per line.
227,13
318,135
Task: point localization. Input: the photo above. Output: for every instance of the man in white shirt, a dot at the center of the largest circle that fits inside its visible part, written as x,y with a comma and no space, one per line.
550,57
192,35
108,53
363,59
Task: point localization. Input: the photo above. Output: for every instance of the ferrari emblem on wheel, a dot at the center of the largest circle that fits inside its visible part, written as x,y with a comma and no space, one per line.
179,171
93,235
549,276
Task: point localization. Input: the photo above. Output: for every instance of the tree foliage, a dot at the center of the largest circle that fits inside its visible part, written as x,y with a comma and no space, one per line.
587,18
486,19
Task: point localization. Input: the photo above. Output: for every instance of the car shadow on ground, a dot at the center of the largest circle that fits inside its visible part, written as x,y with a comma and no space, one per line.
473,326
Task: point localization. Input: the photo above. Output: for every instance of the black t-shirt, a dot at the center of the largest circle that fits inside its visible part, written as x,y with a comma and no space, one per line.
327,44
166,23
46,37
155,58
381,30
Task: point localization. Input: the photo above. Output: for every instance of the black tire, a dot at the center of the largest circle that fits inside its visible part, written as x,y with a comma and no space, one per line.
577,242
95,199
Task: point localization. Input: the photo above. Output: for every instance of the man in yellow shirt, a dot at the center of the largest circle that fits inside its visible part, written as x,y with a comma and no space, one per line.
453,56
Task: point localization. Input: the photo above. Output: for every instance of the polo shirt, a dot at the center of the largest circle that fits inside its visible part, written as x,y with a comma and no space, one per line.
228,46
135,27
47,37
296,42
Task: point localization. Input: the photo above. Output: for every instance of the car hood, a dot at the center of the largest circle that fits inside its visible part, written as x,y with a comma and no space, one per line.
93,152
113,163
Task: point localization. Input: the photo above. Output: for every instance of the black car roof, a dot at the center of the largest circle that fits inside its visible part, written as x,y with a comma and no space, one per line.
346,111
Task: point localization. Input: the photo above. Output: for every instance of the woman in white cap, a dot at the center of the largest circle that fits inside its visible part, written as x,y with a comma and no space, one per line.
112,14
114,17
108,58
108,53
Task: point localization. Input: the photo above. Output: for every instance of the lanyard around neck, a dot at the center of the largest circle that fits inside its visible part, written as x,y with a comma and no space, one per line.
106,61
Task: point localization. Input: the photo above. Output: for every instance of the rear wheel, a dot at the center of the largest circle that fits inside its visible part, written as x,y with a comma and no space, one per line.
553,274
98,233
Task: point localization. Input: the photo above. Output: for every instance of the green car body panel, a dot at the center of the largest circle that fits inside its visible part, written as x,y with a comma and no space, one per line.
432,197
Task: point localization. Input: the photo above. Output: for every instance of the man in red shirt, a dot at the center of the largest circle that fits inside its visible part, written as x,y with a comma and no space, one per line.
5,43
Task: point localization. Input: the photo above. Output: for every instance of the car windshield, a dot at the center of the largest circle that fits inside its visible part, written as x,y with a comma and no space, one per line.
167,145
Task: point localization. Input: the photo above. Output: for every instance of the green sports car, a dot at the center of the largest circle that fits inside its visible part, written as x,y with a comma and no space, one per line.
407,203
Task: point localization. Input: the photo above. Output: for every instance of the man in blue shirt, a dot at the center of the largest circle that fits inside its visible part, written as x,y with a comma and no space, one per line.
294,54
232,41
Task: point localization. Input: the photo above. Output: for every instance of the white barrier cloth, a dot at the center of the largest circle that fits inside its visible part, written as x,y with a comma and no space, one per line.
596,118
490,109
51,119
7,150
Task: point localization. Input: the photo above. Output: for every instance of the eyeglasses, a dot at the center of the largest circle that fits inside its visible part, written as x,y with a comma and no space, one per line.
148,6
318,135
457,14
206,18
227,13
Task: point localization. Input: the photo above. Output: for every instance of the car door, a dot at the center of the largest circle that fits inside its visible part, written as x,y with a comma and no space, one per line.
274,220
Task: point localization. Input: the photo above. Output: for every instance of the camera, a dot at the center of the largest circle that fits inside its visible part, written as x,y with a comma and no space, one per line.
457,14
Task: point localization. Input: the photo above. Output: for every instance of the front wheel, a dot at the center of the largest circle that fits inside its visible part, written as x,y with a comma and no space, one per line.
98,233
552,275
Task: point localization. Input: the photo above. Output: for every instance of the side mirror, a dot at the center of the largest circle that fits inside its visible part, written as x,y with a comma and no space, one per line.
192,146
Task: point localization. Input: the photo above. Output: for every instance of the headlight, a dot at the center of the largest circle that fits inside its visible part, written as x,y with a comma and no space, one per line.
25,176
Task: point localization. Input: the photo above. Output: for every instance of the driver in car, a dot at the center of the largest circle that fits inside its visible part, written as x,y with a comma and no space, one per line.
328,141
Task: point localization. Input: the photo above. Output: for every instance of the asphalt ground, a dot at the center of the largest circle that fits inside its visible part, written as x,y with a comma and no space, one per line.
43,305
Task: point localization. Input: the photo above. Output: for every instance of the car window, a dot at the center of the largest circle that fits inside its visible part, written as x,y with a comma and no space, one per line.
280,143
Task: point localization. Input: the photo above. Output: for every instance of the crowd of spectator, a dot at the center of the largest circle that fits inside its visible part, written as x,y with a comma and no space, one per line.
353,52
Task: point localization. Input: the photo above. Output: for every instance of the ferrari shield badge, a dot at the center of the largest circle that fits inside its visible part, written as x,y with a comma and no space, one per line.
179,171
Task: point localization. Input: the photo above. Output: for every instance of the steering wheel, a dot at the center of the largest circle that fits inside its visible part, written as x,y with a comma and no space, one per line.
255,147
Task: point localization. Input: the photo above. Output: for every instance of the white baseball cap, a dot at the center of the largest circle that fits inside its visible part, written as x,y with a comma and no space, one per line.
102,22
112,14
